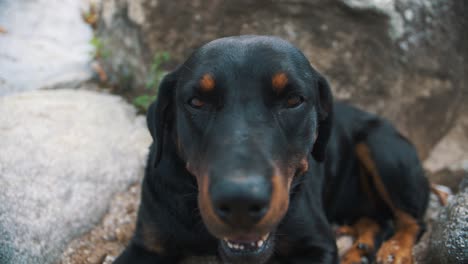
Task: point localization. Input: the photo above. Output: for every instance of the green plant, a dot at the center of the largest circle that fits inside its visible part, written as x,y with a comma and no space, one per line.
99,50
155,75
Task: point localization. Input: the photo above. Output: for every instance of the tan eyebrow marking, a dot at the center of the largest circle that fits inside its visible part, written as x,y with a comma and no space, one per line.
279,81
207,82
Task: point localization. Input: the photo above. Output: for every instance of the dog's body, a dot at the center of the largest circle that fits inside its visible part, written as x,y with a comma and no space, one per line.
231,171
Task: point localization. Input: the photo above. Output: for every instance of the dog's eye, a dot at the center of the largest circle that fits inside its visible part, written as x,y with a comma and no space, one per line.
294,101
196,102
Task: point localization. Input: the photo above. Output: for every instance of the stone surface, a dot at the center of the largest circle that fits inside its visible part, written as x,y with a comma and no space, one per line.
448,177
421,249
452,150
449,239
404,59
63,154
105,241
46,43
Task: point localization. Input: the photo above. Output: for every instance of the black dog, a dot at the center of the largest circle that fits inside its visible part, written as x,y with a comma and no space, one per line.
252,161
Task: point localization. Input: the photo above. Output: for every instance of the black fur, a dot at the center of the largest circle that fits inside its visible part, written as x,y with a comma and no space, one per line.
244,125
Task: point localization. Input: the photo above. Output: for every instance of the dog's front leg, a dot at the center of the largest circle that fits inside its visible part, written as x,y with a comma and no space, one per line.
305,236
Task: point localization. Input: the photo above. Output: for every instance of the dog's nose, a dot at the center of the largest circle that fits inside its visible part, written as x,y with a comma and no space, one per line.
243,201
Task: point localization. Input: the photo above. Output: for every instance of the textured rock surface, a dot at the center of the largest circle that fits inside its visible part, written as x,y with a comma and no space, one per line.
421,249
405,59
63,154
46,43
104,242
452,150
449,240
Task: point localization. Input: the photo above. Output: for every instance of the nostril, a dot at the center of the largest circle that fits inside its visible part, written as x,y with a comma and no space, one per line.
223,210
257,211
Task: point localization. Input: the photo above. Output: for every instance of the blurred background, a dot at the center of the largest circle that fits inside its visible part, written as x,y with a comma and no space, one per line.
72,71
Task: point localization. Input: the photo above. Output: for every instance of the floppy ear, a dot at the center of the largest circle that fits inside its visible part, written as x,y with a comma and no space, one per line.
159,115
325,116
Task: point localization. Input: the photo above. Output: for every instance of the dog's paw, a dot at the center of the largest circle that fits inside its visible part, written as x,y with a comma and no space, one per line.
392,252
358,254
354,259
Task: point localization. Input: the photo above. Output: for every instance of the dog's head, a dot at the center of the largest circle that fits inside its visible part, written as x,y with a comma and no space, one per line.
244,114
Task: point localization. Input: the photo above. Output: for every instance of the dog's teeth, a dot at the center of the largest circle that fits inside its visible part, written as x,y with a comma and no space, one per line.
246,246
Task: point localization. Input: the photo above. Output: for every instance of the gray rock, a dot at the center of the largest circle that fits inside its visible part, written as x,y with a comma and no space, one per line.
388,8
448,177
435,206
452,150
46,44
449,239
63,154
403,59
464,183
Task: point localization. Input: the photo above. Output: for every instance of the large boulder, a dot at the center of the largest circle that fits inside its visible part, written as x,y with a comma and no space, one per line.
43,43
449,239
404,59
63,154
452,150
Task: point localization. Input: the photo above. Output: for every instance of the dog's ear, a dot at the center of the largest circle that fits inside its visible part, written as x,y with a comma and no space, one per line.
325,116
159,113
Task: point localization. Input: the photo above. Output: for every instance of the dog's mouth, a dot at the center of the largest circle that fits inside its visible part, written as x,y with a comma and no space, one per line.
246,245
246,249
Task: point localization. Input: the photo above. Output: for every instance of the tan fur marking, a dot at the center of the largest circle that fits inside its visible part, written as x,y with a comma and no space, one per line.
279,81
151,240
346,230
304,166
366,186
363,154
204,202
207,82
279,199
398,249
365,230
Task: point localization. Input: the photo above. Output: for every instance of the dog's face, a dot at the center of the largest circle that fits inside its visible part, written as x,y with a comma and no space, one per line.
244,113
